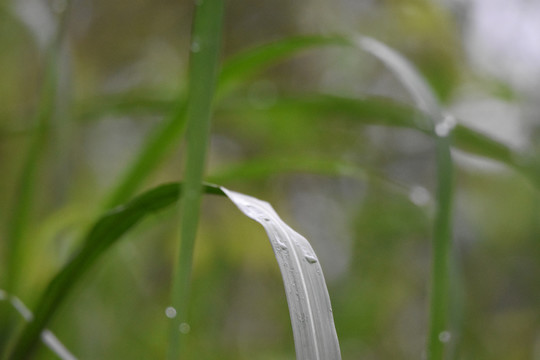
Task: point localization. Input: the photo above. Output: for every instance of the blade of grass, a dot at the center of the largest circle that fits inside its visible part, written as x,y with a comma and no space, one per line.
154,150
244,65
26,185
47,337
203,71
310,310
442,235
103,234
262,168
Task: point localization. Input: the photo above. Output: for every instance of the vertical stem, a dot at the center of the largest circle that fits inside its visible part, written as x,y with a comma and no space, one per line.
442,239
204,60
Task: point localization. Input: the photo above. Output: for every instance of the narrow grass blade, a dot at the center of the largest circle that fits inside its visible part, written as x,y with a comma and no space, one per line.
244,65
24,194
263,168
203,72
442,236
47,337
312,321
103,234
26,185
154,150
409,76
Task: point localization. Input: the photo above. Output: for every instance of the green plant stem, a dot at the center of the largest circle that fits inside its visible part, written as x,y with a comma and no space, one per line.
441,252
204,61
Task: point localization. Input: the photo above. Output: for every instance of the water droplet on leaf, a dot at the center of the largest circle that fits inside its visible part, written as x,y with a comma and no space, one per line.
170,312
310,258
445,336
419,196
444,128
281,245
184,328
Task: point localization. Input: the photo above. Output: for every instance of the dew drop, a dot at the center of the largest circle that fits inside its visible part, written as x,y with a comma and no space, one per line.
310,258
281,245
445,336
170,312
184,328
419,196
443,128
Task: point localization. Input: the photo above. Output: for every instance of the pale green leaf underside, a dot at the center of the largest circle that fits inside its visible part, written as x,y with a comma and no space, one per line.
314,332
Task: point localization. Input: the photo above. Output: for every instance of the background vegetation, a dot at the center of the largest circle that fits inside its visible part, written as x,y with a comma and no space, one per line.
85,85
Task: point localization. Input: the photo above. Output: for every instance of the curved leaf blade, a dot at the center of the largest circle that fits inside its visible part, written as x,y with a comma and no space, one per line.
310,310
242,66
104,233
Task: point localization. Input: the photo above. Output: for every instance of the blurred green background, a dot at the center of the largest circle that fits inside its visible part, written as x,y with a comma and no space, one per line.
123,65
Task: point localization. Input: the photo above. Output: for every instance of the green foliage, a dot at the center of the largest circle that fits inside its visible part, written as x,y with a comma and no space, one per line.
103,234
350,155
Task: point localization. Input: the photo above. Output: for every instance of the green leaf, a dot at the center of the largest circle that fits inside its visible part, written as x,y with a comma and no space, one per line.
241,67
442,235
103,234
262,168
315,336
246,64
306,291
386,112
203,72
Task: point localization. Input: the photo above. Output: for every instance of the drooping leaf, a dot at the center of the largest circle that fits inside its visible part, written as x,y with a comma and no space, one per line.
315,336
244,65
103,234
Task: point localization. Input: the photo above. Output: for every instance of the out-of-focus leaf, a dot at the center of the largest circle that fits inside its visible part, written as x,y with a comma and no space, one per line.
47,337
386,112
103,234
203,73
426,100
244,65
262,168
